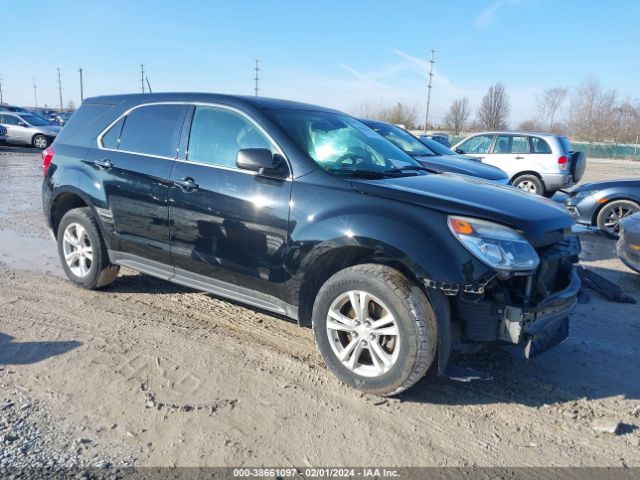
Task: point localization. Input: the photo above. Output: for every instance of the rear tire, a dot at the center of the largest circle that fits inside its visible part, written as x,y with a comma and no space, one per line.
609,216
82,250
529,183
386,358
40,141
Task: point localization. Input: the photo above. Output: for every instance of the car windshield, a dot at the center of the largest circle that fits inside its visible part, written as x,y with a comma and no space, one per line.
402,139
34,120
341,144
437,147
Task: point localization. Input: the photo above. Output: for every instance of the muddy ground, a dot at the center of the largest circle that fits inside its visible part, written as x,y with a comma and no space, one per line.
151,373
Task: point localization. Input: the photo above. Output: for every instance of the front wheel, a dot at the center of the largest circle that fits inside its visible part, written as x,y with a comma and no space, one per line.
609,216
40,141
375,329
529,183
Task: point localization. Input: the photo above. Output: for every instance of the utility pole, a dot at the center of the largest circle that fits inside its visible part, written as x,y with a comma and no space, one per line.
142,77
81,86
257,78
60,90
1,100
35,92
426,118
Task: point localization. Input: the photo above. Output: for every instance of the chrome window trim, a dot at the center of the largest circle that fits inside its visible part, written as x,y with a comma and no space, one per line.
176,159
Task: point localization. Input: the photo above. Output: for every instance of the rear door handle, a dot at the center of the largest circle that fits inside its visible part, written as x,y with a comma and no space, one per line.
187,184
104,164
519,158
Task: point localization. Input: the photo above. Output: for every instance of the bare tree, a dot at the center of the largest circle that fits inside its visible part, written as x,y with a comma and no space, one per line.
494,109
549,102
592,112
401,114
71,106
368,109
531,125
458,115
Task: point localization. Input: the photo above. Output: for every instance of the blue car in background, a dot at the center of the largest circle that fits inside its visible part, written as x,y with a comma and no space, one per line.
437,158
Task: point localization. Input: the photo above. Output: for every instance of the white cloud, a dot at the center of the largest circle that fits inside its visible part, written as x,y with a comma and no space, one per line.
487,16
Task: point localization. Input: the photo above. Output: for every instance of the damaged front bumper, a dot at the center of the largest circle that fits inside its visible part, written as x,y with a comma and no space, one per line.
530,309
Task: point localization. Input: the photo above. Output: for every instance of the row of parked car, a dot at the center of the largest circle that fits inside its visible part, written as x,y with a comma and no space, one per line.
396,251
37,128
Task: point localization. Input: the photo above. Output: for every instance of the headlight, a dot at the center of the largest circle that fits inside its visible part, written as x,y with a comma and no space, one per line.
583,194
500,247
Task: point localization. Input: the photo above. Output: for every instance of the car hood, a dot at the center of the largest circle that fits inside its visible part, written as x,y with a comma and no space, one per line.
627,182
462,166
535,216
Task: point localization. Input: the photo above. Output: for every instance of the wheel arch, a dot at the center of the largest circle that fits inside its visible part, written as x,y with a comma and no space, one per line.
611,198
527,172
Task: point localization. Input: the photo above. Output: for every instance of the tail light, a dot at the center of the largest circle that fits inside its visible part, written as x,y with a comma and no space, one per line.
563,162
47,156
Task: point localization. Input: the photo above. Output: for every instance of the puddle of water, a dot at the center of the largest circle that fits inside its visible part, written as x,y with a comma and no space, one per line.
20,252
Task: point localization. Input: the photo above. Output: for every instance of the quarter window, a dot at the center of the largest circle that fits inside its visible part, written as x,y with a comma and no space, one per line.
538,145
153,130
217,134
110,139
479,144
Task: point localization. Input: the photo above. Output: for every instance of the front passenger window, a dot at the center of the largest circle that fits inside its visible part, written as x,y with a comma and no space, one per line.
479,144
217,134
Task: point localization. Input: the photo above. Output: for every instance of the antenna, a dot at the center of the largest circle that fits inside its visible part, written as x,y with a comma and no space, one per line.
431,62
257,78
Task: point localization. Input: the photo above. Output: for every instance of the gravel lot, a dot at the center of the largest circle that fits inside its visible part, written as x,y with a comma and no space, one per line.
153,374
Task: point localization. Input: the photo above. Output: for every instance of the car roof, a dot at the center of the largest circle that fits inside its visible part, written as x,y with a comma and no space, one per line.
517,132
237,100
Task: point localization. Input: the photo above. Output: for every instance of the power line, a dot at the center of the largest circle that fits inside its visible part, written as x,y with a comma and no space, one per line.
60,89
257,78
81,86
35,92
142,77
431,62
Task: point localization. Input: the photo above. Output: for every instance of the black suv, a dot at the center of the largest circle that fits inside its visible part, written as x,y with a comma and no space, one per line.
306,212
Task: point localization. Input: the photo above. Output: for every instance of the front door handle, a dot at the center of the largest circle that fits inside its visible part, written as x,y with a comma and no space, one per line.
187,184
519,158
104,164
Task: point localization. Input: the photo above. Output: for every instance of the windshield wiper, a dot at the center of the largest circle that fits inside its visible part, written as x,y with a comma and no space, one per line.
408,167
359,172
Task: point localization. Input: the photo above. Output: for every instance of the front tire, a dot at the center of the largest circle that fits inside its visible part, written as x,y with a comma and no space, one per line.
375,330
82,250
529,183
609,216
40,141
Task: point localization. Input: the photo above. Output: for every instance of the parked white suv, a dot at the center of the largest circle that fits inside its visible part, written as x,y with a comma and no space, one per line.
540,163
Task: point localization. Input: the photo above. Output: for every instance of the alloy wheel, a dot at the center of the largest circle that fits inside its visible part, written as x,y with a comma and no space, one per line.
528,186
613,217
363,333
78,252
40,141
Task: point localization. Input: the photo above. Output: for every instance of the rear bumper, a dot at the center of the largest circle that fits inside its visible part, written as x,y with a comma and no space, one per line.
555,181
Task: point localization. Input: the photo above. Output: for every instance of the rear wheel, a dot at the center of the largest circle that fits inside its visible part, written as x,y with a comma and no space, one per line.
529,183
375,329
40,141
609,216
82,250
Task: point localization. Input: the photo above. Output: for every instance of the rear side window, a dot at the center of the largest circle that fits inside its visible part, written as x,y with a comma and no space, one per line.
217,135
539,145
511,144
153,130
10,120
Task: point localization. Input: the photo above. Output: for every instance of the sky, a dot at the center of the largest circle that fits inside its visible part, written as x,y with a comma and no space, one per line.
336,53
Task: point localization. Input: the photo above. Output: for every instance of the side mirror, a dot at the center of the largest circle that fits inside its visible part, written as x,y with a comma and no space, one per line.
261,160
459,150
22,124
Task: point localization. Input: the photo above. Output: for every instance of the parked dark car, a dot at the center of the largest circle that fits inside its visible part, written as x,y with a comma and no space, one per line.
306,212
441,138
628,246
604,204
432,160
12,108
440,149
63,118
3,134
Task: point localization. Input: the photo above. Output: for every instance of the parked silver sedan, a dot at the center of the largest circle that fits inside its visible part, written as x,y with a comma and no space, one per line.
28,129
